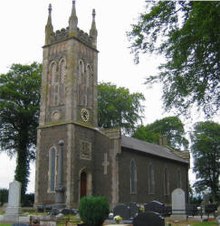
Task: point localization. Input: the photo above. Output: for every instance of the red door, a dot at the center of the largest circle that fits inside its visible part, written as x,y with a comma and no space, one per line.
83,184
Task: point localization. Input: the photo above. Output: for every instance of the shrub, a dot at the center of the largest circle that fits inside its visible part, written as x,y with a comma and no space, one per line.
3,196
93,210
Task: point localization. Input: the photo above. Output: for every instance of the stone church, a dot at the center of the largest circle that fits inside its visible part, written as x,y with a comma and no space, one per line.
75,158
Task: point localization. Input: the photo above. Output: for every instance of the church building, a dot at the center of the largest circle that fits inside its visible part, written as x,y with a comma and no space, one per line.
75,158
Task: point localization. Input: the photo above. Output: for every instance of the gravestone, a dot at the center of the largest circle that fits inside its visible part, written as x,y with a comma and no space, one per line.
178,204
149,219
122,210
133,210
14,199
155,206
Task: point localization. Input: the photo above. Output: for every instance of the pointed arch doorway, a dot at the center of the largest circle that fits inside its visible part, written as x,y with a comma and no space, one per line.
83,184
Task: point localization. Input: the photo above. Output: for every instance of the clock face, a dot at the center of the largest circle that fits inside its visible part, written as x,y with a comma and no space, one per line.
85,115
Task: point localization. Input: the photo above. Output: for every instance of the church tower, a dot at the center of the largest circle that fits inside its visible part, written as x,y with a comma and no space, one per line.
68,113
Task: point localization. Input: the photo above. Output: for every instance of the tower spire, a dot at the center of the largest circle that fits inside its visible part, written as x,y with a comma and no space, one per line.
93,31
73,20
49,27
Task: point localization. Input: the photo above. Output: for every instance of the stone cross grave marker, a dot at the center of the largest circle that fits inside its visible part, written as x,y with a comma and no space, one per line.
178,204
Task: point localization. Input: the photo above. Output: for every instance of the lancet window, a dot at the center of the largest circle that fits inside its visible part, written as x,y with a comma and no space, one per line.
133,177
85,90
52,169
57,74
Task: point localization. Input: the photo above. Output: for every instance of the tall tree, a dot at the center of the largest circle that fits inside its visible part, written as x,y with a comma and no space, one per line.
171,128
19,113
117,107
206,155
187,33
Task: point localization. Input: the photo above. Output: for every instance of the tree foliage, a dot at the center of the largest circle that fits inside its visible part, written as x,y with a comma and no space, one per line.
206,155
187,33
171,128
117,107
19,113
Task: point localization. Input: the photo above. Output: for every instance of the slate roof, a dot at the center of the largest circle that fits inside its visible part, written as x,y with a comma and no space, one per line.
151,149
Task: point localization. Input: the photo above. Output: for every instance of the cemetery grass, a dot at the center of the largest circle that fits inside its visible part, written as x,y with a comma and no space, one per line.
208,223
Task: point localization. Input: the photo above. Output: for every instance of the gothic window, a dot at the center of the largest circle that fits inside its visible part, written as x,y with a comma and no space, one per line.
62,70
151,179
53,85
54,73
166,182
82,84
179,179
52,169
89,85
133,177
62,81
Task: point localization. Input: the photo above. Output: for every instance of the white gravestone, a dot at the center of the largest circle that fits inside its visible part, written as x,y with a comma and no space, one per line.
14,199
178,204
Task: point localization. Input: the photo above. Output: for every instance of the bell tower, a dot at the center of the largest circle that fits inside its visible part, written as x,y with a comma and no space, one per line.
69,74
68,112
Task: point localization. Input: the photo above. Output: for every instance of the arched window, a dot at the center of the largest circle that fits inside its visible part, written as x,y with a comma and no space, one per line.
151,179
166,182
52,169
54,78
82,84
62,81
133,177
53,85
62,71
89,85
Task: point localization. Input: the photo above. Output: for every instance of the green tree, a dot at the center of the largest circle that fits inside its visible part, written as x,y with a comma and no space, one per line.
187,34
19,113
117,107
171,128
206,155
3,196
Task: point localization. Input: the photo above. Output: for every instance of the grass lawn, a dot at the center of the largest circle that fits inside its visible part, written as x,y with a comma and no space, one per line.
193,223
172,224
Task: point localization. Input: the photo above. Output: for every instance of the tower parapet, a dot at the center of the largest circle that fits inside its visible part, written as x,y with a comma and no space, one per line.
72,31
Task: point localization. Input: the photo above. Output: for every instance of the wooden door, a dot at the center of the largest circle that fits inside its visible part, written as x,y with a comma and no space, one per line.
83,184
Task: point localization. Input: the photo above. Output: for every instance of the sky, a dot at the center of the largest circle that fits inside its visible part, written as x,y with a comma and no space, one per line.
22,26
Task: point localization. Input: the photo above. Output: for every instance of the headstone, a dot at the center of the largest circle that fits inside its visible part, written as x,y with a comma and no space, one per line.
178,204
149,219
155,206
121,210
192,210
14,199
133,210
67,211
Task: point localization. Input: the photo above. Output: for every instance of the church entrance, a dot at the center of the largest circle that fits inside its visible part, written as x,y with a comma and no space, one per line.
83,184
